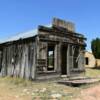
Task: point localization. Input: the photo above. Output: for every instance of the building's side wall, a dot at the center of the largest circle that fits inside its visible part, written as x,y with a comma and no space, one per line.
91,60
18,60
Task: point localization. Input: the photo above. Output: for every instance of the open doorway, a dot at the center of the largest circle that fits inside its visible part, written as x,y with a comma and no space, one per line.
64,60
86,60
50,56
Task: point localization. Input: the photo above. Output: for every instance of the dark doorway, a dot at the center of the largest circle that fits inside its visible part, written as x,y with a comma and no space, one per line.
50,56
64,60
87,60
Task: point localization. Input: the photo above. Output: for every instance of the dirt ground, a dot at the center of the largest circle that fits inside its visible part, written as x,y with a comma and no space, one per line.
19,89
92,93
14,93
10,93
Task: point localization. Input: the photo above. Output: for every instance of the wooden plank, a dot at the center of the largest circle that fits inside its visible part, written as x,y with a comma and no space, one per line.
78,82
68,60
33,72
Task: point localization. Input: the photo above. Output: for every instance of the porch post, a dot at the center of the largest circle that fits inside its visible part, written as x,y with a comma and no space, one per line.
55,57
73,50
59,57
68,60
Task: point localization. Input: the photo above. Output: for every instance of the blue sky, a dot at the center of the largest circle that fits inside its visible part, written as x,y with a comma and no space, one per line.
22,15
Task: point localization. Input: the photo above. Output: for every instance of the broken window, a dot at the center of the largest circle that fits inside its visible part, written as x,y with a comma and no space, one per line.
50,58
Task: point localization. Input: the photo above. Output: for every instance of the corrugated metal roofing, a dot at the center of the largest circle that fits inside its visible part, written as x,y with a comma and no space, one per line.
22,35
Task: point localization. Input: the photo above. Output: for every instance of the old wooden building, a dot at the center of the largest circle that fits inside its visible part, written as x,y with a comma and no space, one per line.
44,52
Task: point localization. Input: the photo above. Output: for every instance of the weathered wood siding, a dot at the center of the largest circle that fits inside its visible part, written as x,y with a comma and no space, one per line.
41,56
18,60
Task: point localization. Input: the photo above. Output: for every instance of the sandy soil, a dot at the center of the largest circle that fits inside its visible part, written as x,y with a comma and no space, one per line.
92,93
10,91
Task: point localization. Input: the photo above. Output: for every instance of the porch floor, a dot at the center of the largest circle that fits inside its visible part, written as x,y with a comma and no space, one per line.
77,81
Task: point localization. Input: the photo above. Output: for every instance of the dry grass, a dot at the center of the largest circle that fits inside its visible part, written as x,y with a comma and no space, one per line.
92,73
19,89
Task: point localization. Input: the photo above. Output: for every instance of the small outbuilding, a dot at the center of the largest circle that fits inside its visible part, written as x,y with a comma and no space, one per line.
44,52
91,61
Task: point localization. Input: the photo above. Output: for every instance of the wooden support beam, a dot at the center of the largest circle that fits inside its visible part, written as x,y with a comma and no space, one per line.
34,69
68,60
